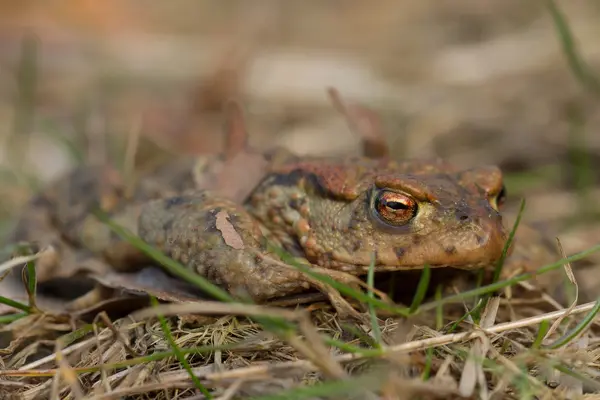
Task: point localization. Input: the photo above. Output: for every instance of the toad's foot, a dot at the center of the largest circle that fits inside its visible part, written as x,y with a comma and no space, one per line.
220,241
317,277
343,308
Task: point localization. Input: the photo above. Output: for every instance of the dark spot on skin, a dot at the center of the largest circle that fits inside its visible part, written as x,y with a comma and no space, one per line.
296,203
353,224
357,217
356,246
292,179
289,179
416,239
400,251
450,250
175,201
479,239
233,219
210,221
328,255
462,215
293,247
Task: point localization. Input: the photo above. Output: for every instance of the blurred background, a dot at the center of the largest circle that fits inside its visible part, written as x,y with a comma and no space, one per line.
474,81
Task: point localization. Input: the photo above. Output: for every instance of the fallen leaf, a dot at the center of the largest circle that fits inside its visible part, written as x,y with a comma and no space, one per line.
131,291
243,168
236,134
150,280
230,235
235,174
365,123
240,175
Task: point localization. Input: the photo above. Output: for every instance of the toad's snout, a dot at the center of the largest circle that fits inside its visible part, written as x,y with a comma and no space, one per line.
482,240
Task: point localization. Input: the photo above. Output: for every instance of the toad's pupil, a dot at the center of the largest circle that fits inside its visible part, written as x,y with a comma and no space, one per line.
395,205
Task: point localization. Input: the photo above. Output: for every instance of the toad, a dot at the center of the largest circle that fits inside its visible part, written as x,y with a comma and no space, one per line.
337,216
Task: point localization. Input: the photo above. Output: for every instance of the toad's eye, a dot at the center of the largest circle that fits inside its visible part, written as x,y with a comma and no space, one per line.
395,208
498,201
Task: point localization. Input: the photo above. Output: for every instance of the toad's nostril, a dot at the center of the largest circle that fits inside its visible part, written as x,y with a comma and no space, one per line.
462,216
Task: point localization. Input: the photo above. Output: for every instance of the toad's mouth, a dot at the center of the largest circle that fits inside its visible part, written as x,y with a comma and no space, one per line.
464,266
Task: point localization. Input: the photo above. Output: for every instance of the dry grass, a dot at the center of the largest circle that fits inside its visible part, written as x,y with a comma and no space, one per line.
229,354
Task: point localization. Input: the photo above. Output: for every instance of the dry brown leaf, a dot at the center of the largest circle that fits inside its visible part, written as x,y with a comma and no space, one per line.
150,280
243,169
364,122
123,292
241,174
236,135
240,170
230,235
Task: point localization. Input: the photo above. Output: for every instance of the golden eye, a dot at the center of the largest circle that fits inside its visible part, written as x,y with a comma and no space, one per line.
395,208
498,200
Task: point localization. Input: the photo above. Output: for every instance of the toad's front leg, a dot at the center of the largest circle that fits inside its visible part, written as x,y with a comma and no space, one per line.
220,241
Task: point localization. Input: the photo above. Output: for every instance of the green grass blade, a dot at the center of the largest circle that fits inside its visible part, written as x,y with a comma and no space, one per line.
7,319
473,311
31,283
28,274
509,241
348,348
478,282
500,263
578,329
567,370
578,67
373,313
77,334
544,326
427,368
178,354
15,304
439,310
422,287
